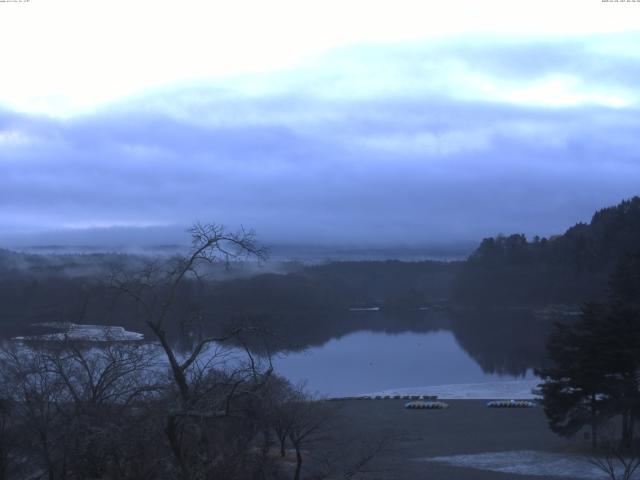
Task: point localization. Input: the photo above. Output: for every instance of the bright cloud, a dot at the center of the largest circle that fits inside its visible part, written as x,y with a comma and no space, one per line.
71,56
318,121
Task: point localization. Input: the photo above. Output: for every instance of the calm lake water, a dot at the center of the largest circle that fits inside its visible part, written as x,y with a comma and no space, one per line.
364,352
365,362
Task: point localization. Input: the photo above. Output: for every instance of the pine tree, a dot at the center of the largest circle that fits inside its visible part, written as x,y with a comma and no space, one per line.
595,363
574,388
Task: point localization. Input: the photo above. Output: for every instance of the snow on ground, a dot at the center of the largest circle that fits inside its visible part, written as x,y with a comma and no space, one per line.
92,333
527,462
516,389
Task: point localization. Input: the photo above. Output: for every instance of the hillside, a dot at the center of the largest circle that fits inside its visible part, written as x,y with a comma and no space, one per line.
568,268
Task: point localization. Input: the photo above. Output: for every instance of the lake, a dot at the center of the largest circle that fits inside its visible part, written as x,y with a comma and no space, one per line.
352,353
364,362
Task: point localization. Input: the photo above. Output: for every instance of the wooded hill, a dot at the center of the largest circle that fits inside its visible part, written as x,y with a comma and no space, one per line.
569,268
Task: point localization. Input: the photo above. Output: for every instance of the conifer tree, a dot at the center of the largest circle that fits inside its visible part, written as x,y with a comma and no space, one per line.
595,363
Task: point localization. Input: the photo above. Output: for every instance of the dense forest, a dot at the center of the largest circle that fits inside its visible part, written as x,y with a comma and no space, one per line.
563,269
77,288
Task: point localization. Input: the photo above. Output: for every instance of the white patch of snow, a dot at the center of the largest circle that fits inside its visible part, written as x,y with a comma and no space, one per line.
516,389
89,333
526,462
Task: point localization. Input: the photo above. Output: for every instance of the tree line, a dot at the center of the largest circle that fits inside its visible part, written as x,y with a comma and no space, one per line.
564,269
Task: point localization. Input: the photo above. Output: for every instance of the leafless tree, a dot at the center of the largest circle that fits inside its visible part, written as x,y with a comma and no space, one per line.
156,288
68,399
309,421
152,410
113,374
346,458
5,438
204,392
312,427
613,456
279,398
36,396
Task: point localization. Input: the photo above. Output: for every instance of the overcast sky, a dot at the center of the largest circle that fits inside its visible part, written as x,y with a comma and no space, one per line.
333,122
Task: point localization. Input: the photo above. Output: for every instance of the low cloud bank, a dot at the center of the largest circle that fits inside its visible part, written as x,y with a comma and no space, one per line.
401,145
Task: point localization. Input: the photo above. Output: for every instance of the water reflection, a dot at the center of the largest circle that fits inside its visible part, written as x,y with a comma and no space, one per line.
345,353
507,342
342,352
365,361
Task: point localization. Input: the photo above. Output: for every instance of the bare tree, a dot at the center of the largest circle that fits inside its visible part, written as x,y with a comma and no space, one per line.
311,426
618,459
36,395
280,416
309,422
5,435
68,397
345,458
113,374
156,288
153,410
204,392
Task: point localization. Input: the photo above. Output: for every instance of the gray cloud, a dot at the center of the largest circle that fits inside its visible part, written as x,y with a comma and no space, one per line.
302,166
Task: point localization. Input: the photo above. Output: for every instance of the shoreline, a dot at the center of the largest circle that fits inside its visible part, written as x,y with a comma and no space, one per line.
507,390
466,441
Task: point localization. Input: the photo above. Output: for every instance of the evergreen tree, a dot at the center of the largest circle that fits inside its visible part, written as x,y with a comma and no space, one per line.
568,268
574,388
595,363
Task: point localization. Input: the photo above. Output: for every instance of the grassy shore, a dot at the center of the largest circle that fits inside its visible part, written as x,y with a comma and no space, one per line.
467,427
